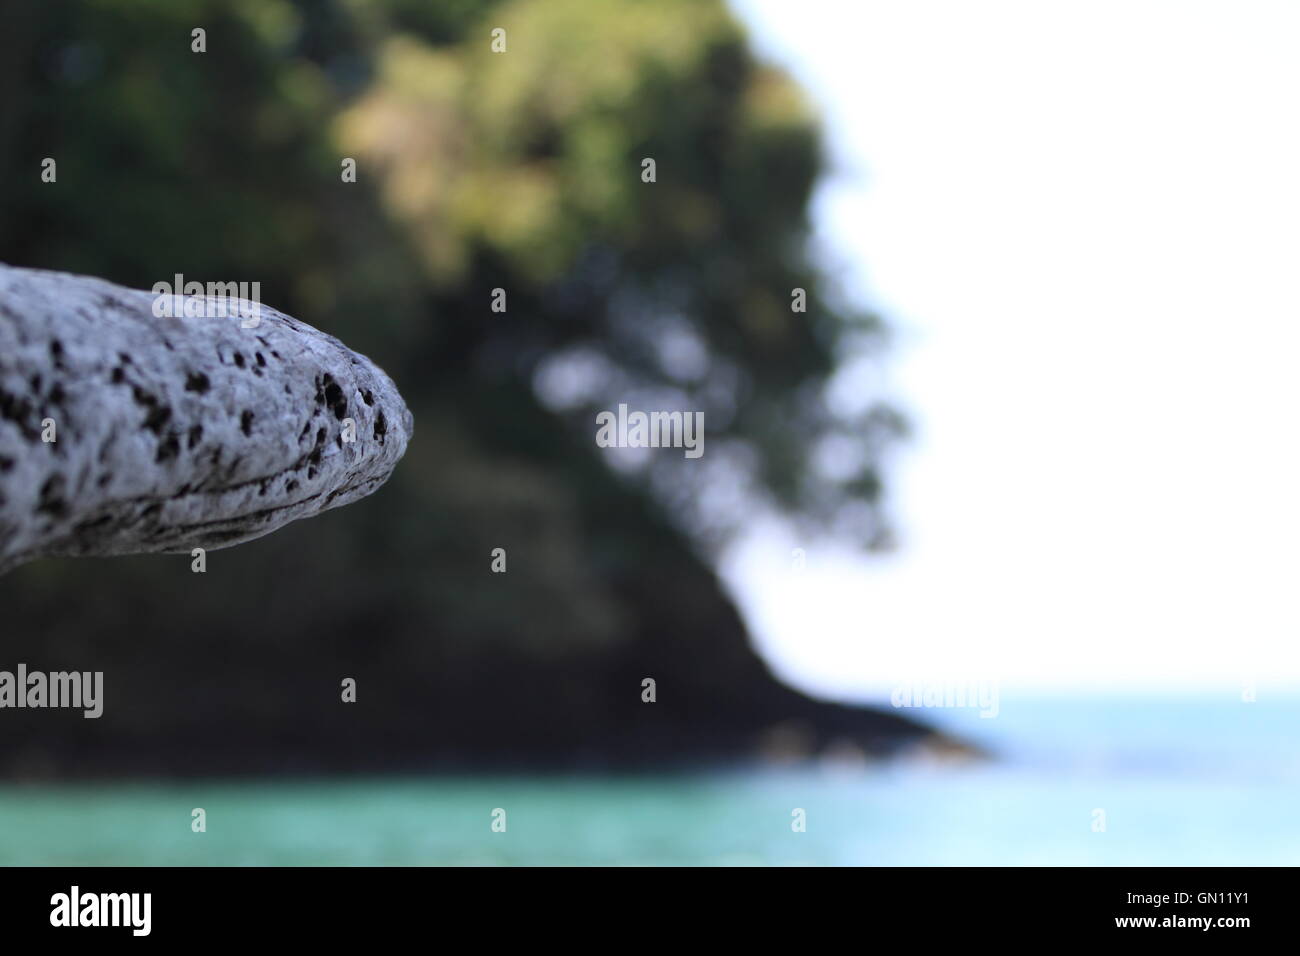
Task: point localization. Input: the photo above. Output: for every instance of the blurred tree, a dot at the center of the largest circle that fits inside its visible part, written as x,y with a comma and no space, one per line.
476,171
522,171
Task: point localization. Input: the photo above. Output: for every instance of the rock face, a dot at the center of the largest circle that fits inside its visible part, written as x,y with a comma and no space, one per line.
174,433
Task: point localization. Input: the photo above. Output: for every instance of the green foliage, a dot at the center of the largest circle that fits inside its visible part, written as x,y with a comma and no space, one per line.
477,170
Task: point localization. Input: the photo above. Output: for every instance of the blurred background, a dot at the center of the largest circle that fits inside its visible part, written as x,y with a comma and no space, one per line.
1058,471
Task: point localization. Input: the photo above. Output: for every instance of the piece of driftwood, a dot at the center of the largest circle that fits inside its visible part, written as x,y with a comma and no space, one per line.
124,432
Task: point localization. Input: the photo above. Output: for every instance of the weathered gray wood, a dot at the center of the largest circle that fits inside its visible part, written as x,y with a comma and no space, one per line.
174,433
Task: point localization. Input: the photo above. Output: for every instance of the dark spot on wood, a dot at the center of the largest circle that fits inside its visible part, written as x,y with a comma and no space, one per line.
51,501
168,448
334,398
18,409
158,418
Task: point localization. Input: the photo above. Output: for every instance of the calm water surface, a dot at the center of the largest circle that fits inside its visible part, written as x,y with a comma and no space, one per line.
1180,781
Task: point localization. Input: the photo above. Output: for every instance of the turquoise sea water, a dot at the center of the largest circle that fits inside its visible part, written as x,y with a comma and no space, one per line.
1179,782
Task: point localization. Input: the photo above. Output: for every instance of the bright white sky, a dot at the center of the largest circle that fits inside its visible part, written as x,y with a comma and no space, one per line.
1083,218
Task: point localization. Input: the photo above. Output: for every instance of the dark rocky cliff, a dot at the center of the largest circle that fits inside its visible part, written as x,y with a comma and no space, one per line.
239,669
